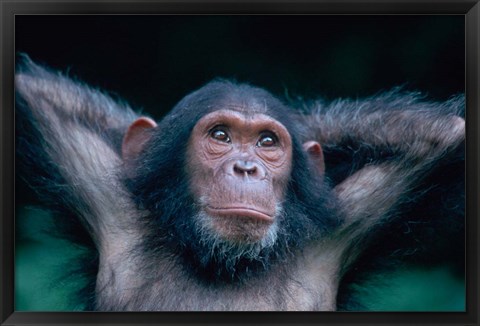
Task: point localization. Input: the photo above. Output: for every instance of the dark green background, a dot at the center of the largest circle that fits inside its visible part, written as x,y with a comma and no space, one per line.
153,61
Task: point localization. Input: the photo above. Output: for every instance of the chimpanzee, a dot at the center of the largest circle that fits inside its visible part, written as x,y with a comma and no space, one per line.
234,200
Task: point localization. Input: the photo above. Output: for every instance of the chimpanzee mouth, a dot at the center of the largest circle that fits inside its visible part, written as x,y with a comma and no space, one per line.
247,212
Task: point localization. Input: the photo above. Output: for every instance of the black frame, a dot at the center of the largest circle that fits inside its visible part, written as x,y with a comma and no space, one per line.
9,8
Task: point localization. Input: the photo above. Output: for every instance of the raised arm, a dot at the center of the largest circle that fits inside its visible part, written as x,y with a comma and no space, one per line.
69,140
378,152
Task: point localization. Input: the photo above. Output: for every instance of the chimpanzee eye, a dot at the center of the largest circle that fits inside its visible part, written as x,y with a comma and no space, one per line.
267,139
220,135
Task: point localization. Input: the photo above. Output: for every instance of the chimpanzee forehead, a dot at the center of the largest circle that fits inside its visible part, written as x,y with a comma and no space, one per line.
239,97
249,105
226,95
246,108
238,114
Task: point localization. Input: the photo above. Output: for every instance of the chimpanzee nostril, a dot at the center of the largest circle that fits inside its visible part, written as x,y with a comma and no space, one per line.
245,167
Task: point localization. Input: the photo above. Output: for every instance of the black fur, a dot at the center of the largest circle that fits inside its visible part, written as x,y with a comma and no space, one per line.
162,188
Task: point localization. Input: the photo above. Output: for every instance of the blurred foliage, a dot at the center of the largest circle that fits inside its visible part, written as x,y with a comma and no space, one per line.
153,61
42,261
413,289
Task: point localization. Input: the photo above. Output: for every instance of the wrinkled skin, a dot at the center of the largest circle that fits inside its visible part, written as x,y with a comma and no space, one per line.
239,165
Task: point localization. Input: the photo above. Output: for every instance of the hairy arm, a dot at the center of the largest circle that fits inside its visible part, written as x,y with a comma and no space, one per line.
68,141
377,152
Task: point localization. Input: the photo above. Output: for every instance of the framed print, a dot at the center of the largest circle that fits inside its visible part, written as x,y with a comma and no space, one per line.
172,164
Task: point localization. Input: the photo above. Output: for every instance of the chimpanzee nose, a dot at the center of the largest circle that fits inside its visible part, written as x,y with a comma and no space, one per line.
242,168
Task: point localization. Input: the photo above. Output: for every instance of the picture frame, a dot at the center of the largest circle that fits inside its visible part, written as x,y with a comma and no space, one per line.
9,10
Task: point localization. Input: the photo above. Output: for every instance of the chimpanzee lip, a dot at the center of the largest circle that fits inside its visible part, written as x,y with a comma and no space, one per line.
241,212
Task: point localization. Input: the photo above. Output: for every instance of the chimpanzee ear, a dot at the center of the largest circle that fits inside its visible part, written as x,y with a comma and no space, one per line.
315,153
136,137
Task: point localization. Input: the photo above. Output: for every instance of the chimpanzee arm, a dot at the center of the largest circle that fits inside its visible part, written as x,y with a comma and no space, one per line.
69,139
391,143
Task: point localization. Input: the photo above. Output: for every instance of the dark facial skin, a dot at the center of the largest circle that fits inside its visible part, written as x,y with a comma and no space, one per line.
239,165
